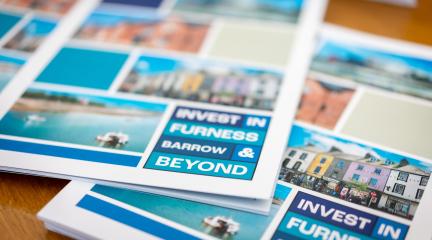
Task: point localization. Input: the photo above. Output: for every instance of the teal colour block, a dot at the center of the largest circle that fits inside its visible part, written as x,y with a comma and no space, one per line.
83,68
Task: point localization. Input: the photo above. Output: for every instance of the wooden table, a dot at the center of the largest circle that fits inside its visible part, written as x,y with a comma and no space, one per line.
21,197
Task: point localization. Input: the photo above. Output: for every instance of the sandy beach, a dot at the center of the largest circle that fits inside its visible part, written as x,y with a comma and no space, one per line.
42,105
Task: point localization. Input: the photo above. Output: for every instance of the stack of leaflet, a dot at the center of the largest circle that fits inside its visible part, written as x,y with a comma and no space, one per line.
189,105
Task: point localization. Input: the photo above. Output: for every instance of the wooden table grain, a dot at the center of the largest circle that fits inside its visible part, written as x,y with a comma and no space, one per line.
21,197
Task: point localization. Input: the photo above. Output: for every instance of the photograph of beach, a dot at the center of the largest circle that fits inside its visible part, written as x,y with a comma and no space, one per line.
9,66
398,73
215,221
323,103
275,10
32,35
146,30
197,80
355,172
83,119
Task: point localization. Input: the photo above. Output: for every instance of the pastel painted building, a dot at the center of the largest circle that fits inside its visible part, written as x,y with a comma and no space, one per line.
339,166
320,164
298,159
375,177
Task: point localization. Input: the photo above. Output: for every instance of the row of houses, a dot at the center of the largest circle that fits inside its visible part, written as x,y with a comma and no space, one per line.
367,180
234,88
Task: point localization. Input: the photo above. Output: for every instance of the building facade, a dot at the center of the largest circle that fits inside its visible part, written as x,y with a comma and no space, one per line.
298,159
374,176
403,190
319,165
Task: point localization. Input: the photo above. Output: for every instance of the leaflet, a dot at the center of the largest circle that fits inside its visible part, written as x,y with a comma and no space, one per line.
115,98
332,187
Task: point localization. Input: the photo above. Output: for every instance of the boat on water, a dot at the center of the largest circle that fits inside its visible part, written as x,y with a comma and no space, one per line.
34,118
113,139
222,225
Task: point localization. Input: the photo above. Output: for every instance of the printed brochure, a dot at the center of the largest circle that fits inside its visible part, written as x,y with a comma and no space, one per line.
113,97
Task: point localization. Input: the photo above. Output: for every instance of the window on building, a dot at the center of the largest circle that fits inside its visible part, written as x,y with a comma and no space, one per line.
323,160
424,181
317,169
360,167
419,193
340,165
303,156
398,188
334,174
286,162
356,177
292,153
297,165
377,171
373,182
403,176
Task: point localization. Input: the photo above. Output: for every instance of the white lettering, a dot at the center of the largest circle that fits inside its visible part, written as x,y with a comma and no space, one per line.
242,171
162,161
175,163
204,166
386,230
212,132
211,117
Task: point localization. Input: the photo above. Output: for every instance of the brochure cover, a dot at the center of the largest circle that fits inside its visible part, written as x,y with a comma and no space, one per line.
332,186
115,97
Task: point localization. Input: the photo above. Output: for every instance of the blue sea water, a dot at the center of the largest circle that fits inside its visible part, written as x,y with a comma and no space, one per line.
81,128
191,214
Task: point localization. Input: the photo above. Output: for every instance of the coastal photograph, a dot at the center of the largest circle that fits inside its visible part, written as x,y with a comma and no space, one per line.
203,81
49,6
9,66
354,172
393,72
145,30
275,10
31,36
215,221
83,119
323,103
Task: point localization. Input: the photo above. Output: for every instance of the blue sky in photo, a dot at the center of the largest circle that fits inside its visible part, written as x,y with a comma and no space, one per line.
344,51
10,59
110,102
147,65
287,5
39,27
7,21
102,17
281,192
281,5
301,137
